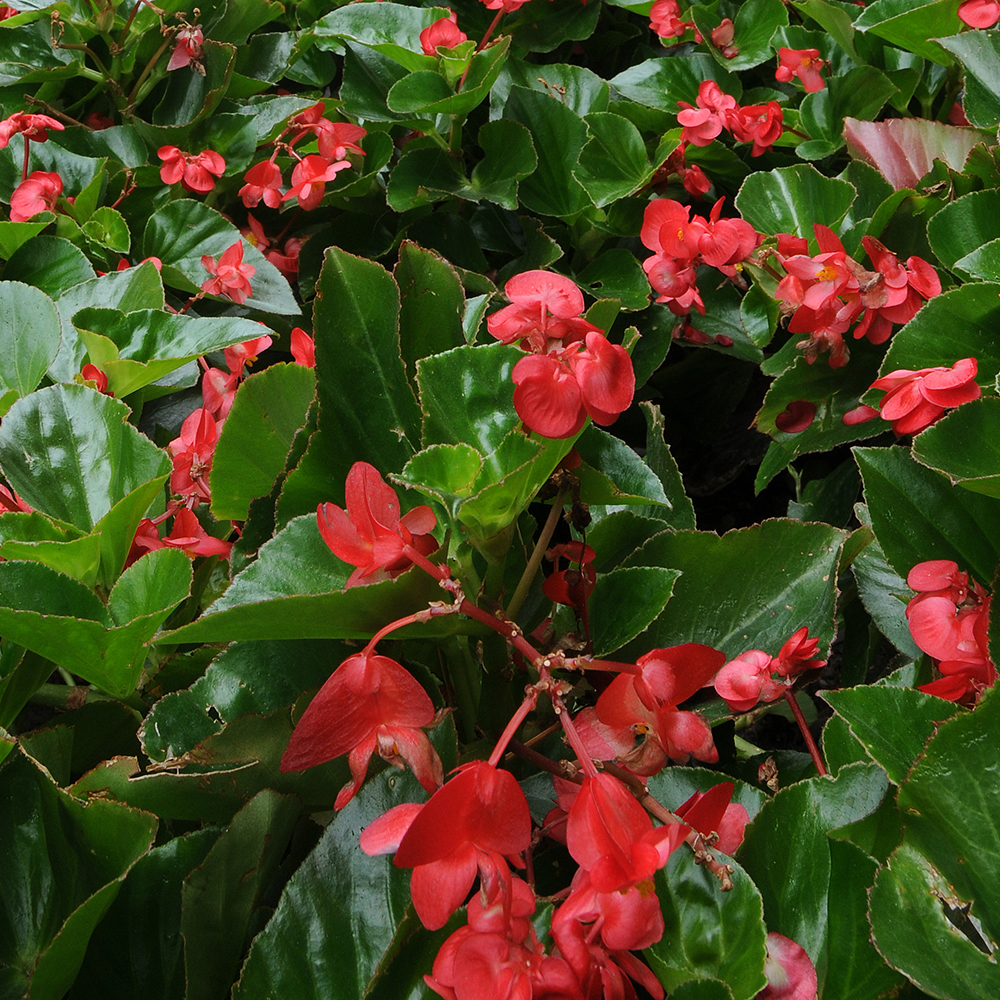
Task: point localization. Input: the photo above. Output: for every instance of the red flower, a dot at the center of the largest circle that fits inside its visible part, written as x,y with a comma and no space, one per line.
7,12
796,417
91,373
444,32
195,173
309,180
803,63
34,127
370,534
789,970
714,812
915,399
722,39
303,348
38,193
263,181
370,703
188,50
10,501
571,586
469,825
979,13
760,124
230,276
192,454
246,353
187,534
665,19
335,139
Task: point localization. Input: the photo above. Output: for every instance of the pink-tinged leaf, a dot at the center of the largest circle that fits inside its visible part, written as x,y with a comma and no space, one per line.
904,149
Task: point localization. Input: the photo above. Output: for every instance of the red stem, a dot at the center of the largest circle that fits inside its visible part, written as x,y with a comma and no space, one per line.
806,735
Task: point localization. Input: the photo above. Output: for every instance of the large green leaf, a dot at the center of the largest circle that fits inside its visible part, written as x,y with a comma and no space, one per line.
934,911
892,723
71,452
219,897
661,83
139,347
965,446
30,332
61,865
558,135
342,914
148,962
183,231
49,263
979,54
613,163
710,934
751,588
792,199
918,514
394,31
269,408
963,225
625,602
295,590
40,539
754,24
365,397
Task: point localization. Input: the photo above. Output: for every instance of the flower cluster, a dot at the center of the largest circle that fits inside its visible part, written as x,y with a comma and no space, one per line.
665,20
310,175
916,399
573,371
949,620
716,111
680,243
230,275
195,172
827,293
802,63
756,677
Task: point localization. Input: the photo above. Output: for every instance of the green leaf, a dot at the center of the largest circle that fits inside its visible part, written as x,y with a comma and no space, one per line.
71,452
544,27
191,97
107,228
14,234
613,163
710,934
28,55
49,263
616,274
431,304
791,199
183,231
61,865
912,26
661,83
150,588
368,76
612,473
918,515
979,54
25,359
983,262
963,225
933,910
142,346
315,946
295,590
625,602
751,588
37,538
580,89
834,19
754,24
965,446
558,135
147,962
393,32
220,895
269,408
363,390
509,157
893,724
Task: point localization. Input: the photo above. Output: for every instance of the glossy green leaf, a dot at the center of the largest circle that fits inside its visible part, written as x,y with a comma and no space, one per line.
364,394
834,19
107,228
49,263
36,537
185,230
315,946
558,135
269,408
965,446
613,163
509,157
661,461
720,602
221,894
191,97
917,515
545,28
246,678
709,934
979,54
431,304
368,76
294,590
28,54
61,865
580,89
791,199
616,274
963,226
754,24
13,234
892,724
71,452
138,347
29,339
135,288
933,913
147,962
625,602
702,989
912,26
661,83
394,32
612,473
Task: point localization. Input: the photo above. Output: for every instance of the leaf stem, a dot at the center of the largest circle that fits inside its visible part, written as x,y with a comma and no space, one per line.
806,735
531,570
